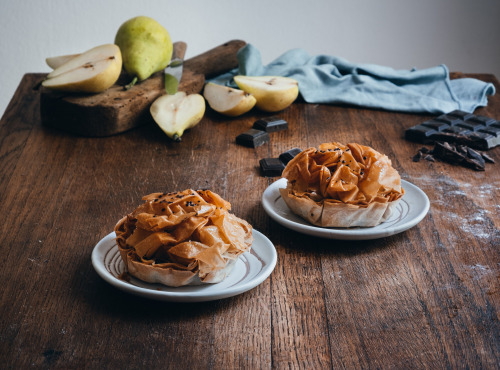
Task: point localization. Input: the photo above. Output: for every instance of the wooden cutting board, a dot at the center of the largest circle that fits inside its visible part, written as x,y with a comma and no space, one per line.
117,110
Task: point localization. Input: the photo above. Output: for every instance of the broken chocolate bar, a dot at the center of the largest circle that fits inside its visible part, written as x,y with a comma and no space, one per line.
252,138
271,167
289,155
458,128
447,153
271,124
459,155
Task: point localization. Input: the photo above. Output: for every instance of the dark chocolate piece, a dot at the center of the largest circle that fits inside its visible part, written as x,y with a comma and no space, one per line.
447,153
474,160
429,158
494,131
252,138
451,120
420,133
480,140
417,157
462,149
436,125
471,125
461,114
459,155
487,158
271,124
271,167
423,152
289,155
458,128
483,120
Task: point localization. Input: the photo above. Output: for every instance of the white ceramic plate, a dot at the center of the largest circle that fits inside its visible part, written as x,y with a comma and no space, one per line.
251,269
410,211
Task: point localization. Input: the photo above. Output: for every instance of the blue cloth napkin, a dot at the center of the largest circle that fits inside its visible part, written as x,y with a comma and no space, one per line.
334,80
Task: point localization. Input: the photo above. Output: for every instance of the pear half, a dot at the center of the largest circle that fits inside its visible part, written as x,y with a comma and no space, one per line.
177,113
91,72
55,62
228,101
273,93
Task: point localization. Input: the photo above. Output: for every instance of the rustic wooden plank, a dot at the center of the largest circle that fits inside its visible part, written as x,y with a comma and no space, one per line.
418,295
425,298
15,127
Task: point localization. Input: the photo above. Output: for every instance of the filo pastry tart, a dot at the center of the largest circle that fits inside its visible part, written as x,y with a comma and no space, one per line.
340,185
182,238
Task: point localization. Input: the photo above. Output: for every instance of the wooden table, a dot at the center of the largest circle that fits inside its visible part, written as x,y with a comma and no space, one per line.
425,298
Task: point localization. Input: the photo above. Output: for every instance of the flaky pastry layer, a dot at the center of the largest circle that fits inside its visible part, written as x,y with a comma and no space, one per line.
340,185
182,238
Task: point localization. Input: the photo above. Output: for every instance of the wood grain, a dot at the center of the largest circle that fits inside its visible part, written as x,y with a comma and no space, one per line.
425,298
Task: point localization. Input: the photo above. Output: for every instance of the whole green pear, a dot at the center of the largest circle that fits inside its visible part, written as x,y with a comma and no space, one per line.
145,45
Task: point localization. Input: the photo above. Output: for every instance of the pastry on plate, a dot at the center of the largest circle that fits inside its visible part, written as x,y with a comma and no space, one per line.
182,238
339,185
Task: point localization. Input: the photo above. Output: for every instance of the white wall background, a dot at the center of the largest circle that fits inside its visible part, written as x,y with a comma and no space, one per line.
463,34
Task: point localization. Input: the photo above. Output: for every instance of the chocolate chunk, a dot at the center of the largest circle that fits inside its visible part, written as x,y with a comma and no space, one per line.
471,125
487,158
480,140
417,157
458,128
289,155
436,125
423,152
474,160
483,120
451,120
420,133
462,149
461,114
459,155
271,167
447,153
252,138
271,124
494,131
448,137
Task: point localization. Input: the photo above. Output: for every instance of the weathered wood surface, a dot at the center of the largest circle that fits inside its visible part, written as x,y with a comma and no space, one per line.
425,298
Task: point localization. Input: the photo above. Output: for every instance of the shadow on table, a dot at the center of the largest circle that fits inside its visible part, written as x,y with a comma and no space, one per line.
107,300
298,242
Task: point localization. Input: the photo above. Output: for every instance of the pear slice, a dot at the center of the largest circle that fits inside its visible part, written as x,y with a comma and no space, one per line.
91,72
228,101
177,113
55,62
273,93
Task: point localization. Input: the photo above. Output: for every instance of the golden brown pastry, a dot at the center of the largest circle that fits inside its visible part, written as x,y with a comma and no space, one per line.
340,185
182,238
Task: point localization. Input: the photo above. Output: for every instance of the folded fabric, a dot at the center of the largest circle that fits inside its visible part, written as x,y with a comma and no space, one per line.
334,80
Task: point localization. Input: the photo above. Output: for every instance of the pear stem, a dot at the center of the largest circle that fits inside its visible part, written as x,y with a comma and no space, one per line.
176,138
131,84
